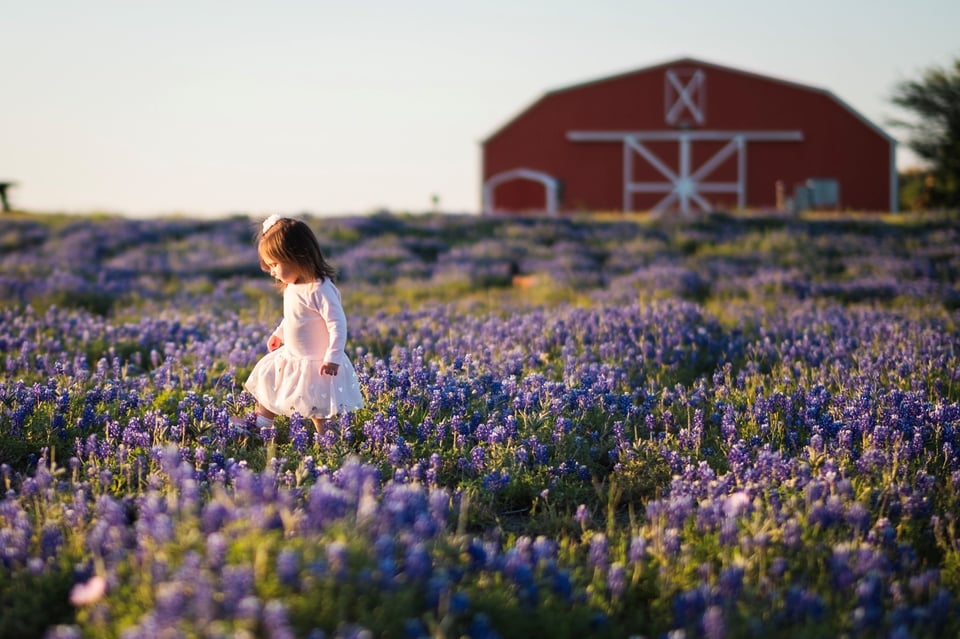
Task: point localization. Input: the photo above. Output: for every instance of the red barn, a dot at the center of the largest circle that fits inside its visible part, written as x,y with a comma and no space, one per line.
688,136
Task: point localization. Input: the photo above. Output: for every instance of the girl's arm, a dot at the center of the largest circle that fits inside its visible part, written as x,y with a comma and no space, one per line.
332,312
275,340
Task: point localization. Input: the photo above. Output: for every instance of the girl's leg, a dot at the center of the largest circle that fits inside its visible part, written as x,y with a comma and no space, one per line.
264,417
320,424
264,420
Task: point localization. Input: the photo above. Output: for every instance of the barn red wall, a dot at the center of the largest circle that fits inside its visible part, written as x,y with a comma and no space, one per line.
523,195
837,144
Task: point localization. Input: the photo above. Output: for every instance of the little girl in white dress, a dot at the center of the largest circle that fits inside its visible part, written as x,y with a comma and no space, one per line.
306,370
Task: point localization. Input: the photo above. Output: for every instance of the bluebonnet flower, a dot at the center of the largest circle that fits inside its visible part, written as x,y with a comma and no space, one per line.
728,426
671,541
792,533
356,479
736,504
638,549
477,554
238,591
299,434
288,568
51,540
870,609
925,583
170,604
729,532
14,535
336,554
276,620
562,585
459,603
843,575
496,480
438,588
858,517
268,432
477,462
690,605
325,504
399,452
730,582
713,623
616,580
582,515
414,629
480,628
544,549
246,609
418,564
597,555
214,516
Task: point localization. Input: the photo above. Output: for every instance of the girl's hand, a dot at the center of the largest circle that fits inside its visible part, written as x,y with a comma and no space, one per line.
329,368
273,343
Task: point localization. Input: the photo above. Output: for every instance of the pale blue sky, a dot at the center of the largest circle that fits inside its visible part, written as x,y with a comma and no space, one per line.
337,107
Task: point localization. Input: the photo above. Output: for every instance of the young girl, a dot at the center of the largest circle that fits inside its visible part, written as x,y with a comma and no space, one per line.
306,370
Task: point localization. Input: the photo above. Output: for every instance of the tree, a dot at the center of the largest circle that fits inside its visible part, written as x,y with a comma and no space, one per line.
935,134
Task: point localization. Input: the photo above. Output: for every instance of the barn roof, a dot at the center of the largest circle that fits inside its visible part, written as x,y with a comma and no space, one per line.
702,63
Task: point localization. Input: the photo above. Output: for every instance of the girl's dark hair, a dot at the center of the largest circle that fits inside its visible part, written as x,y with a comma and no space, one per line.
292,242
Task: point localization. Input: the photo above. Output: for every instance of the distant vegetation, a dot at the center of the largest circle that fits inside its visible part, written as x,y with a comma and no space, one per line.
110,265
933,102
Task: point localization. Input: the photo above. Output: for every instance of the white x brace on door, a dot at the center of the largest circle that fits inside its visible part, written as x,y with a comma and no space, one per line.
684,185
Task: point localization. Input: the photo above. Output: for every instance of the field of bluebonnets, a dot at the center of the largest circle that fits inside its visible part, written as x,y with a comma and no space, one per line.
729,427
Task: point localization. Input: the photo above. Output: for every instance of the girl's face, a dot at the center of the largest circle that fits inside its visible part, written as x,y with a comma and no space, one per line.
282,271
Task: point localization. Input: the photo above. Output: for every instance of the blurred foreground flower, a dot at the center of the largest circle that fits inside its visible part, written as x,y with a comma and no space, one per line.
90,592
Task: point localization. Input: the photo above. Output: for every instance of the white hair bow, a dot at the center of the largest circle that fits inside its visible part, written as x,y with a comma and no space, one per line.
270,221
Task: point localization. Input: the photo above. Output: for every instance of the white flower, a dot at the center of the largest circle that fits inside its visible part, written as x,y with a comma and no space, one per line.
270,221
88,593
736,504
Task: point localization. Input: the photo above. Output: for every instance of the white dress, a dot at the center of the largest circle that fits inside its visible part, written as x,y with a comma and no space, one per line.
313,331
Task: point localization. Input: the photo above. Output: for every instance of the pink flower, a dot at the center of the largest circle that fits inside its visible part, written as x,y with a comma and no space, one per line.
88,593
736,504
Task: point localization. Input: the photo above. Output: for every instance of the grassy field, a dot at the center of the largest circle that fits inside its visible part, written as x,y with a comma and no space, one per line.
734,426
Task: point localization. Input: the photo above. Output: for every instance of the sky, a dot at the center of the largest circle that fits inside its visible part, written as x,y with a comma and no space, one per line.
341,107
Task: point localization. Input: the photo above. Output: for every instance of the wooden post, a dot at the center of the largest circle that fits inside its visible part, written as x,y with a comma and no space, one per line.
3,195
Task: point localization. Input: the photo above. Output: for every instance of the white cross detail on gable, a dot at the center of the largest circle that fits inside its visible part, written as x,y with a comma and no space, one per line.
685,96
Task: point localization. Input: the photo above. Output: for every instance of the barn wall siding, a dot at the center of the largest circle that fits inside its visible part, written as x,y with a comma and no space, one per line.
836,142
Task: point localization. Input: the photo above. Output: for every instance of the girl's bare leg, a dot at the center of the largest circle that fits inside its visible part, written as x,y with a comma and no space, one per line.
321,424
